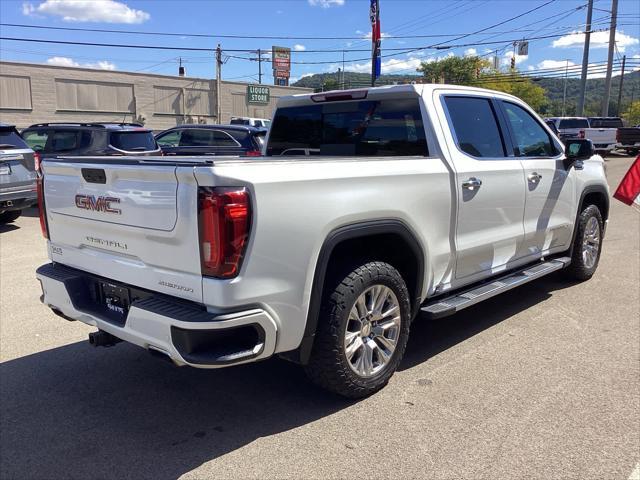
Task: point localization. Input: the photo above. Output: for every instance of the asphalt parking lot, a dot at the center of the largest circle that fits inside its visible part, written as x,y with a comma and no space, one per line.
542,382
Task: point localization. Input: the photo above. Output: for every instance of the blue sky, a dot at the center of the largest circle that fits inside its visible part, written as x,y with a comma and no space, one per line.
308,18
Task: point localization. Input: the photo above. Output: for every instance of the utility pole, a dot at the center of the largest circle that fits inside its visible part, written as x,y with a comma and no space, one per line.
259,66
619,109
564,95
342,80
218,84
585,61
612,44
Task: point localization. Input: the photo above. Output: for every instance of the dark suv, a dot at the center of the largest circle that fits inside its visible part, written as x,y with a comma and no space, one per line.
17,174
234,140
89,139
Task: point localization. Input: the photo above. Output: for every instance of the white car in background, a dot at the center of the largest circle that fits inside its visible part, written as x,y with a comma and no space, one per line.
251,121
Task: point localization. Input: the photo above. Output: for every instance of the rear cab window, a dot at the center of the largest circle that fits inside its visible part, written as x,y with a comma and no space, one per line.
573,123
351,128
606,123
133,141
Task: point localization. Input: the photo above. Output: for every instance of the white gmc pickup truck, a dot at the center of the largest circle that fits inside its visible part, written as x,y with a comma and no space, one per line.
406,200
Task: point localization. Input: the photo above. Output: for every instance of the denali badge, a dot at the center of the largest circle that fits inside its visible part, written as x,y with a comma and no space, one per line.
100,204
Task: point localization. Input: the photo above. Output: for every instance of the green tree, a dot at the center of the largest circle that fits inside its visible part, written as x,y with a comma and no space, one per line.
454,70
632,115
518,86
476,71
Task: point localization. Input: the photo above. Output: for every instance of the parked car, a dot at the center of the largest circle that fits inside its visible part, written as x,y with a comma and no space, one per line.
602,132
235,140
629,139
90,139
569,127
424,199
17,174
251,121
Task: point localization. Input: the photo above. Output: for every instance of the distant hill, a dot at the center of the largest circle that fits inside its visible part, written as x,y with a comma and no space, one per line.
554,88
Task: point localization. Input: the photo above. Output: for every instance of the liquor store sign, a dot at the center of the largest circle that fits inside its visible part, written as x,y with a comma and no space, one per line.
258,95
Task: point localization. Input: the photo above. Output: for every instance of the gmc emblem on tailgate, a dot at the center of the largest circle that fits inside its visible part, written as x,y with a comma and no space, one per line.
100,204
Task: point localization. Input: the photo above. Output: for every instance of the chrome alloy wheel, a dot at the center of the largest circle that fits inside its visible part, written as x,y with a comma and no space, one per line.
591,242
372,330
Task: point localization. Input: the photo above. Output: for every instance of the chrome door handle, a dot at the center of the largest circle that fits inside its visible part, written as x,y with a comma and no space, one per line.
534,177
472,184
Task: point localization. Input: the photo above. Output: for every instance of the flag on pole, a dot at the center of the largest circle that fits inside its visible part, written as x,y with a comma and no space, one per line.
374,14
629,189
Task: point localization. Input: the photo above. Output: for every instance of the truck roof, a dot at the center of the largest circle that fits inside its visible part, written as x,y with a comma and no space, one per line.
387,91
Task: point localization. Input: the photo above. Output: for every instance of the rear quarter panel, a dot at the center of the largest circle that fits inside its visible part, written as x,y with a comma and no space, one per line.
297,203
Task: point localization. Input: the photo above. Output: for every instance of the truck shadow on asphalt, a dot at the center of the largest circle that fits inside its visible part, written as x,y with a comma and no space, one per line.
80,412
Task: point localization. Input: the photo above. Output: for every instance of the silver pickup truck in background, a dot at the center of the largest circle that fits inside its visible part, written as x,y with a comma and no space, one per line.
411,200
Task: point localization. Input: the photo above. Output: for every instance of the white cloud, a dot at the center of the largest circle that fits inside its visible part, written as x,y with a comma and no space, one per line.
69,62
326,3
299,48
554,64
598,40
98,11
470,52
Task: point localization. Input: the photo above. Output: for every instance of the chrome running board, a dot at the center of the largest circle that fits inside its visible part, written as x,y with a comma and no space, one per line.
449,305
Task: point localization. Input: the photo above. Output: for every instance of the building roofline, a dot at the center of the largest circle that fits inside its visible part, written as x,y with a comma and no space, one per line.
141,74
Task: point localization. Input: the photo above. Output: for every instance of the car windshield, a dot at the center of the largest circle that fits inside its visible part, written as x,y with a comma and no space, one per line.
362,128
239,121
9,138
574,123
133,141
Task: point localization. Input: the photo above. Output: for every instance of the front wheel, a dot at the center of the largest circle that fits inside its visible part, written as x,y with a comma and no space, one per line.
362,332
587,245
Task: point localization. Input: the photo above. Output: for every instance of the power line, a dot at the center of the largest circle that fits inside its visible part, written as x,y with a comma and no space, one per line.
214,36
400,51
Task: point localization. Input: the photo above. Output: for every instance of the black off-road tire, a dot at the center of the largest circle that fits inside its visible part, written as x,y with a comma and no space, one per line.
328,366
578,270
8,217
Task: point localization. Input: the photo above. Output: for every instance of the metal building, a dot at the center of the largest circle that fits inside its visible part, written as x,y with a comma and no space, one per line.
35,93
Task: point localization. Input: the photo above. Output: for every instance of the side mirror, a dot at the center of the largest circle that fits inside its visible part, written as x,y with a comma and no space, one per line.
577,150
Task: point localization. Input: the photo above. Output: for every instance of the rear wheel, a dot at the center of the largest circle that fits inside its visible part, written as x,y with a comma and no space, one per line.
587,244
363,331
8,217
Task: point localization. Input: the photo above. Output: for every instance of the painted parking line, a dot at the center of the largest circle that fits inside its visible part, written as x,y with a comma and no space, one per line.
635,475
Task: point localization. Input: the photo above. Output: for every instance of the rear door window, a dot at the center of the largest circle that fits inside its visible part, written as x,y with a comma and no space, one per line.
475,126
364,128
135,141
36,139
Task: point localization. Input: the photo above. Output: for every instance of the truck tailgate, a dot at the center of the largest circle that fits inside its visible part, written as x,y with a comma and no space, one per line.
134,223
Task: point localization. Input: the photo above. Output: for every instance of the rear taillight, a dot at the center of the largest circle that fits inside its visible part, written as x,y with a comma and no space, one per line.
41,207
36,162
618,135
224,222
253,153
581,134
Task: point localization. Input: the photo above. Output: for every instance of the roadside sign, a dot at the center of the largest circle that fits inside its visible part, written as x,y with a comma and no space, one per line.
523,48
281,73
258,95
281,58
